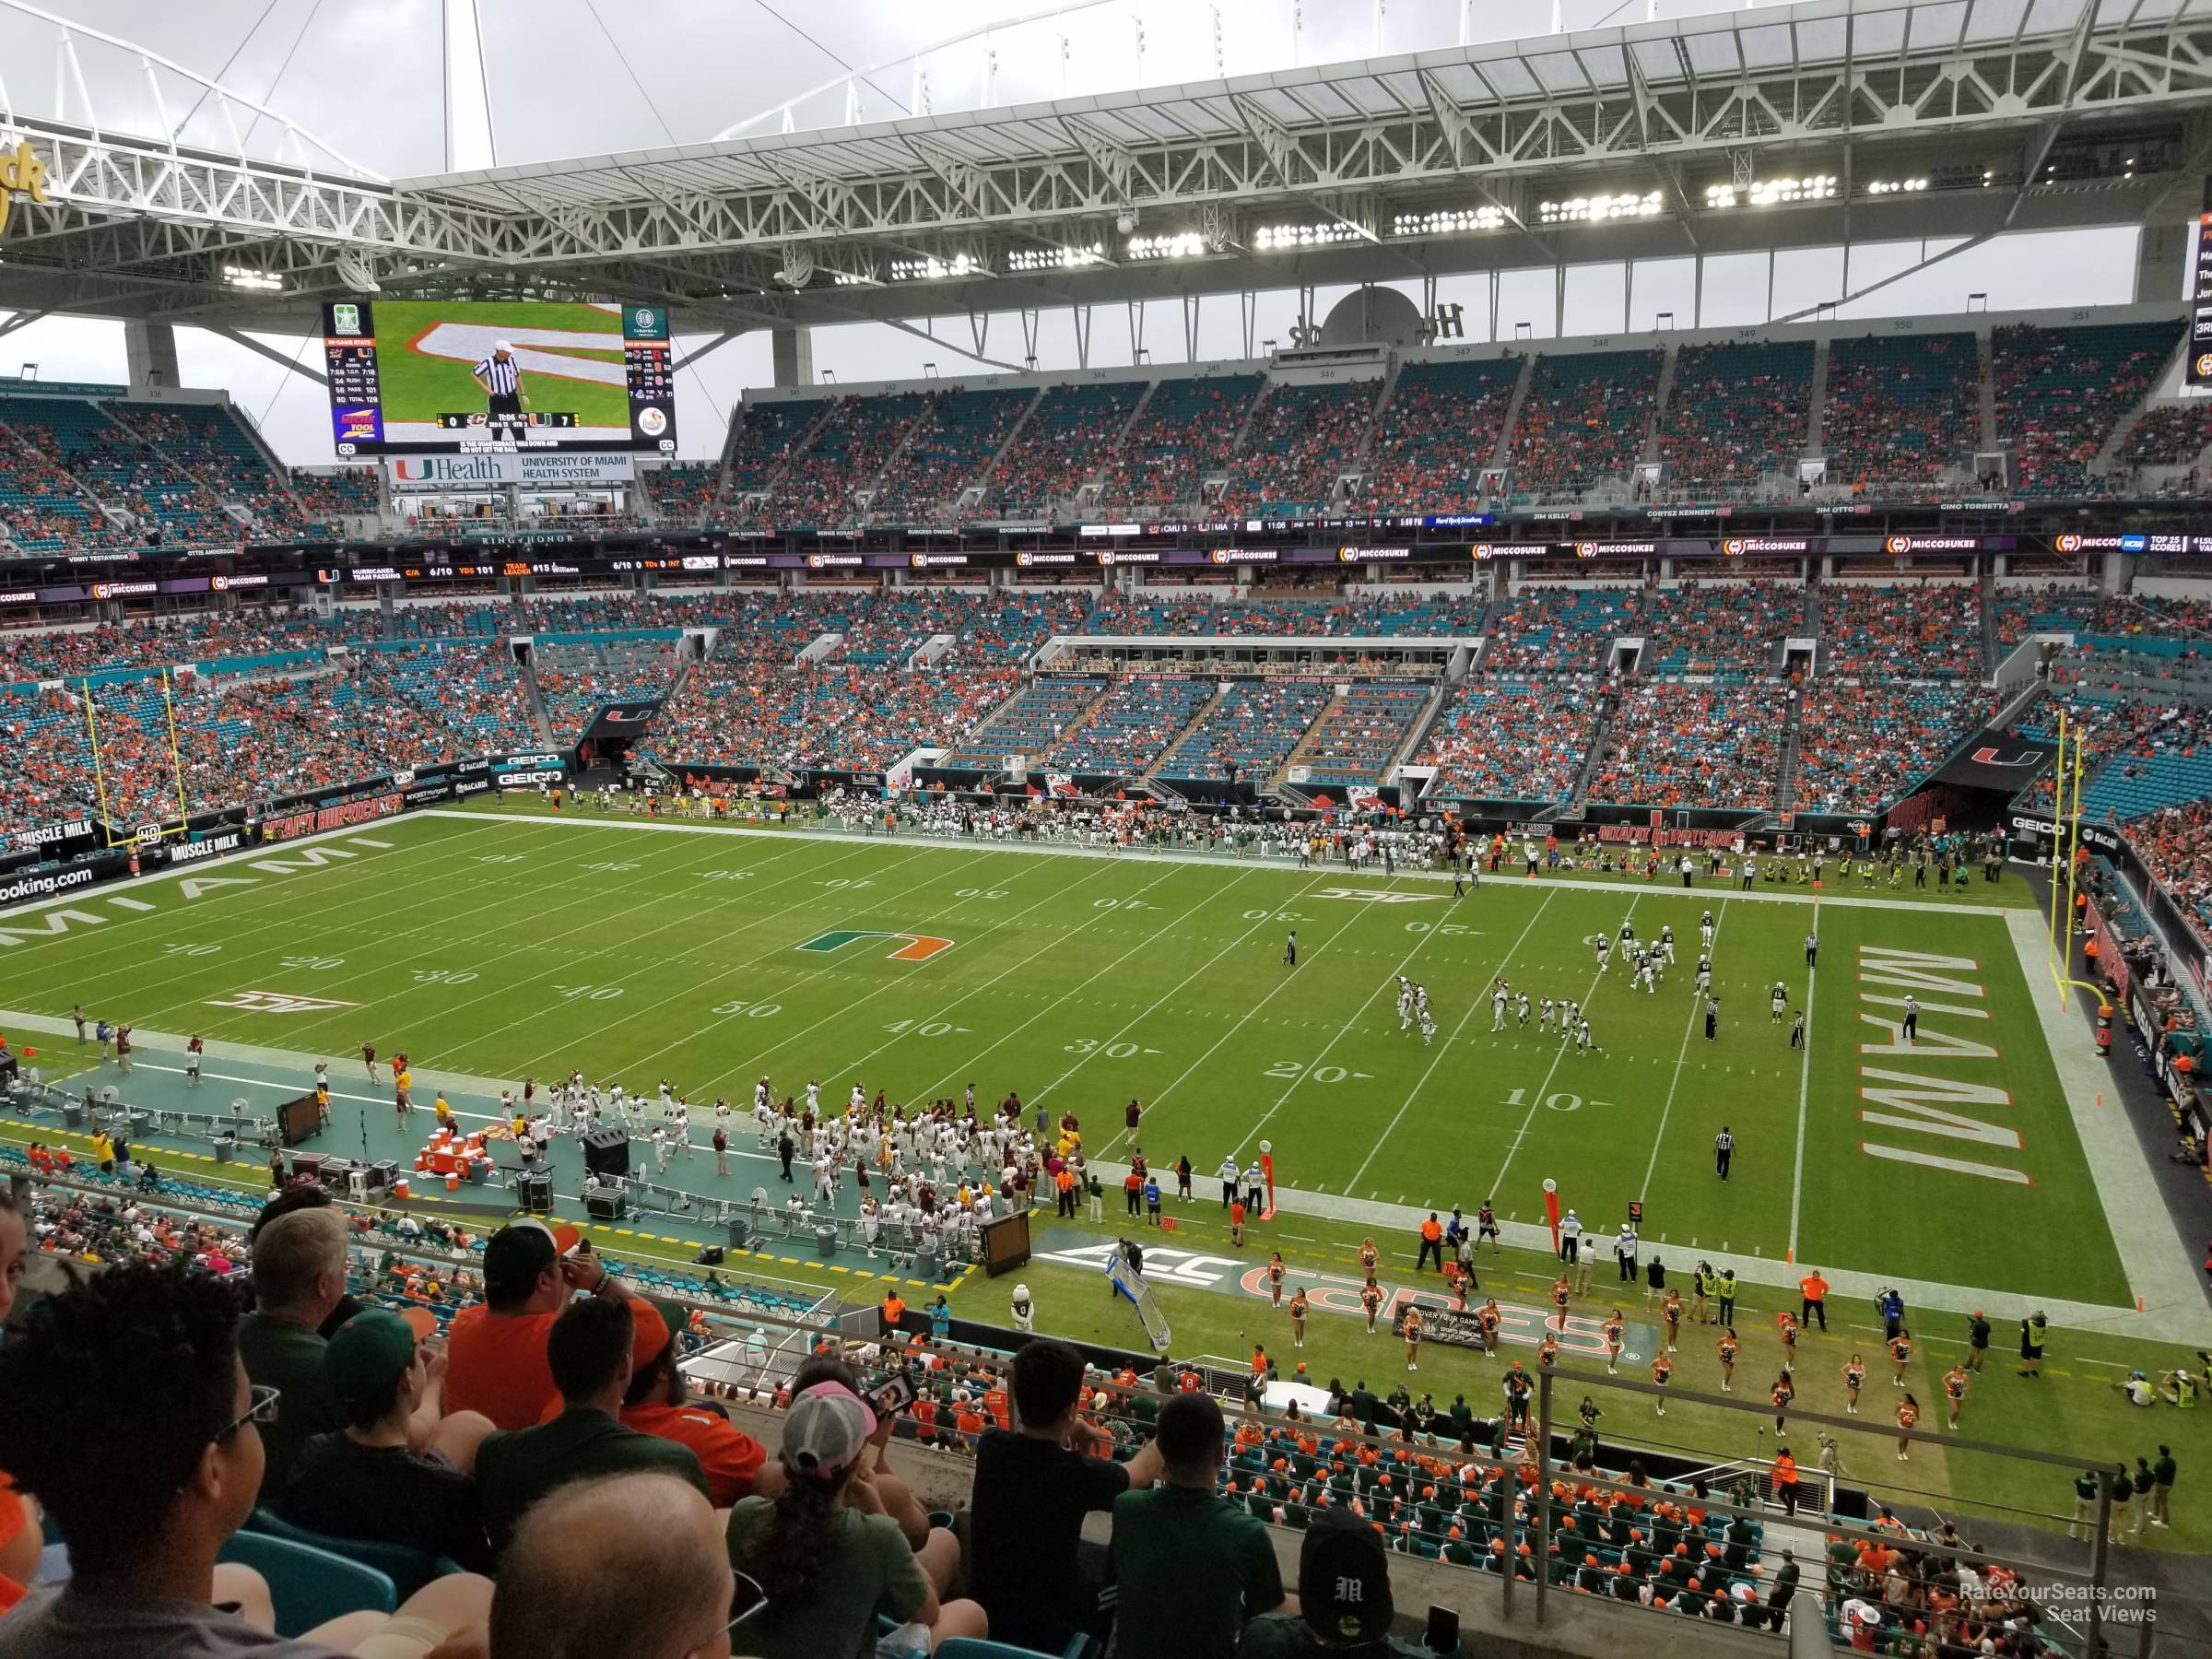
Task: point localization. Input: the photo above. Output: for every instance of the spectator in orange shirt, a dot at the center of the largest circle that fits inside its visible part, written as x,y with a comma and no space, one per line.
496,1348
659,1404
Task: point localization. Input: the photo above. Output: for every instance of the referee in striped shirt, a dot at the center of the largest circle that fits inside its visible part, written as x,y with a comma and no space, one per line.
501,378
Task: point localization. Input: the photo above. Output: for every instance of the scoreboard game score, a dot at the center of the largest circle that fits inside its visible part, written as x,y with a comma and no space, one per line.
461,378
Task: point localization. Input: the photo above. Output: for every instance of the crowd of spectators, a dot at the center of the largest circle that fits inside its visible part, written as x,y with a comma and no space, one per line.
1862,748
1253,728
1301,439
2171,434
43,510
1583,420
835,717
2176,842
1930,631
1361,732
2061,391
1560,630
1160,611
1721,628
330,497
1507,739
1900,408
585,678
207,442
952,443
762,438
1670,745
682,493
1437,433
1064,441
1134,726
1184,434
1734,413
121,470
844,452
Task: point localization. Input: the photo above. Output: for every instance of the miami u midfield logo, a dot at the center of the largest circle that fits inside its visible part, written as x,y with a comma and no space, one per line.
913,948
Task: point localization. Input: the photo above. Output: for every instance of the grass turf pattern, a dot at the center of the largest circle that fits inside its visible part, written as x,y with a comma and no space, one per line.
513,946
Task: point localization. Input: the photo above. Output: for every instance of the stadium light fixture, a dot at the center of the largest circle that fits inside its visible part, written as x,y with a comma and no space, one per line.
1899,187
1055,259
1768,193
258,282
929,268
1581,210
1448,221
1182,244
1278,239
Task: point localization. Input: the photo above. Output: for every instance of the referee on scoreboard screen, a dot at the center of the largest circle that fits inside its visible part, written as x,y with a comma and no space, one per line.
502,378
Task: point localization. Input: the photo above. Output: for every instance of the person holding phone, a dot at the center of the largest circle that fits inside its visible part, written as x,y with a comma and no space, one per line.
829,1558
496,1350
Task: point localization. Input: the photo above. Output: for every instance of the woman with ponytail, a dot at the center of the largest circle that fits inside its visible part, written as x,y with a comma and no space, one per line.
824,1550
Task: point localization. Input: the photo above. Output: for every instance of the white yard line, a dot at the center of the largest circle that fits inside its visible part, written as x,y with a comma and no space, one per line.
1389,980
758,994
1804,1084
852,1067
1475,1002
1353,913
2160,1264
1513,1147
1151,938
1681,1059
1266,918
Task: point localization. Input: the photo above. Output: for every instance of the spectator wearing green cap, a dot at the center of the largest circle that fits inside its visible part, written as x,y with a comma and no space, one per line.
367,1481
497,1349
590,1351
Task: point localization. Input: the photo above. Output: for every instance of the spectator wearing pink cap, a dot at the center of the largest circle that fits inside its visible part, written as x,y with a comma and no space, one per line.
828,1557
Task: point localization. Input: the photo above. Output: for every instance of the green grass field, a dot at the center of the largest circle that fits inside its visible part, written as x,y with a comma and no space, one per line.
505,946
417,387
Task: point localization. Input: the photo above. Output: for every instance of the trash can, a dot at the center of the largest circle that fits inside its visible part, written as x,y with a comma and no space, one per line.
225,1146
824,1242
925,1263
73,1113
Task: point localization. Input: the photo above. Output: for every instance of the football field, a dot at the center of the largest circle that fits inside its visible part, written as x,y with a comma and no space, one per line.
510,944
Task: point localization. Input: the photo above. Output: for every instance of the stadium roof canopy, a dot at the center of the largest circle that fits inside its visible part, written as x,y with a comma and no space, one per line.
1812,124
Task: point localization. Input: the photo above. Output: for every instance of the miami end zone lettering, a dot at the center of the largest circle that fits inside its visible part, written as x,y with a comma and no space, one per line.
347,813
1912,1102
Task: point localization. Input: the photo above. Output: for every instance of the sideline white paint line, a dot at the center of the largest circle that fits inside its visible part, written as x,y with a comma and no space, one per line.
1287,866
2160,1264
1804,1083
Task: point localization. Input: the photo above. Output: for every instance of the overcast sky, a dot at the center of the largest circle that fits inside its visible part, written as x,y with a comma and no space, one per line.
591,77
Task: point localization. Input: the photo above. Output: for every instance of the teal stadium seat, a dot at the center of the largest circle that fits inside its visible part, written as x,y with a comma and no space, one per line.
308,1585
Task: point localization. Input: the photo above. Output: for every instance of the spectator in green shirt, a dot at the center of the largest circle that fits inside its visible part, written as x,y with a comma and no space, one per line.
298,1276
827,1556
1192,1568
1345,1606
591,1351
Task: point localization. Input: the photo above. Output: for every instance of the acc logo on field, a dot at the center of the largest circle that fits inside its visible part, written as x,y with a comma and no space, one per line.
1377,896
913,948
277,1002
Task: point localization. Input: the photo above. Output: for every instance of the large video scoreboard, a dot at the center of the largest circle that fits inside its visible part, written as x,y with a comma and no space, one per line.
459,378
